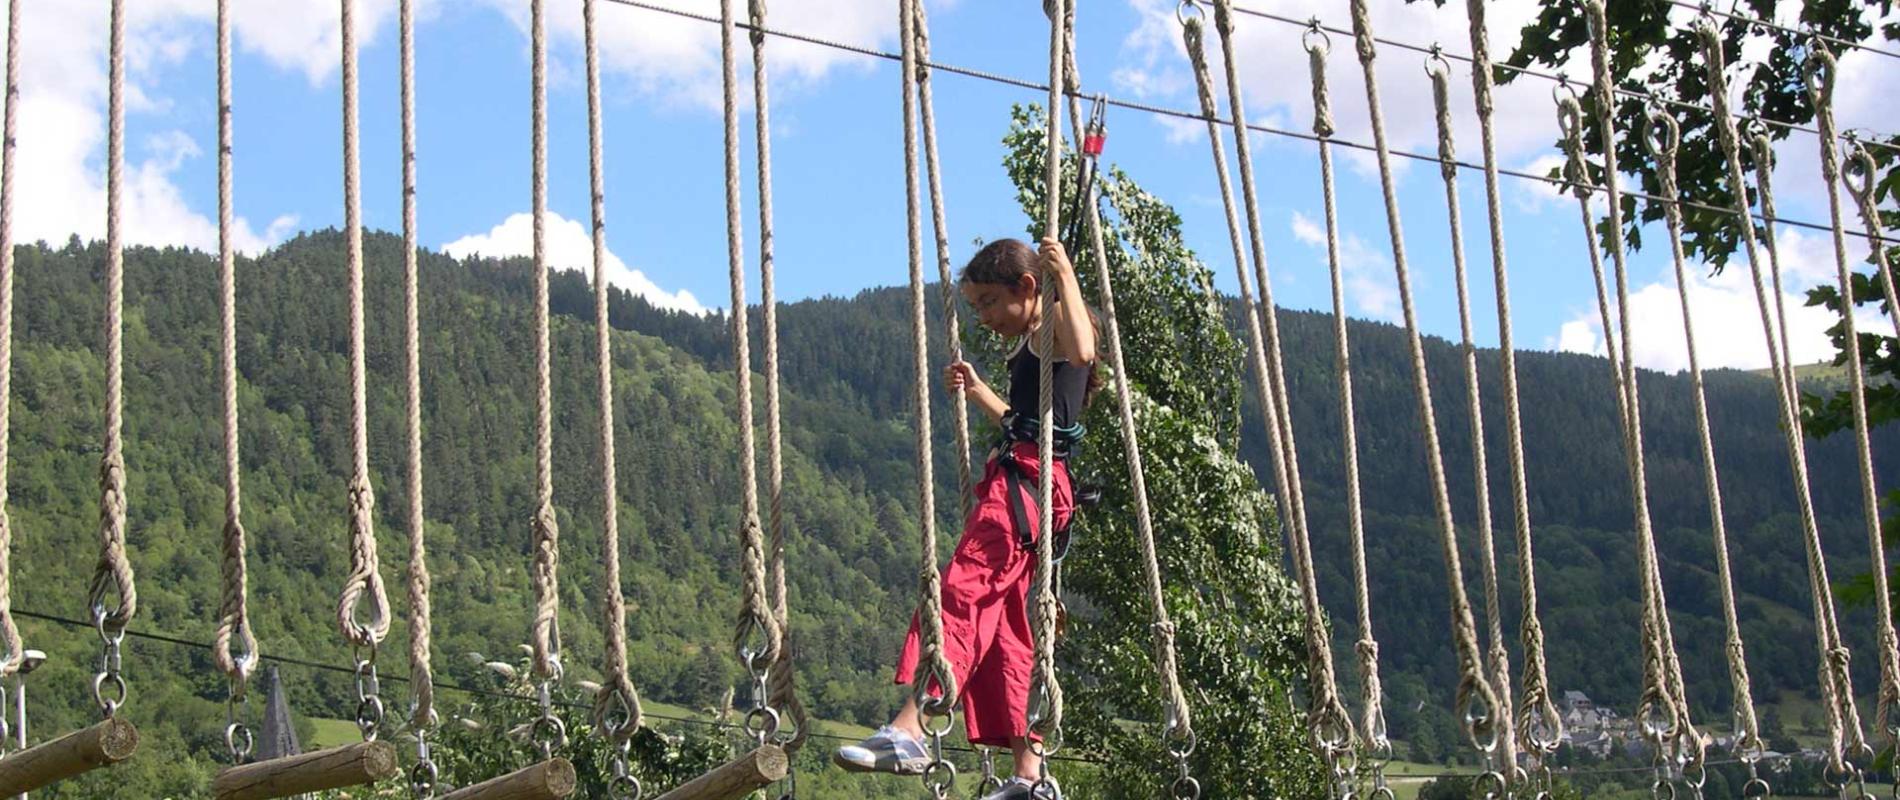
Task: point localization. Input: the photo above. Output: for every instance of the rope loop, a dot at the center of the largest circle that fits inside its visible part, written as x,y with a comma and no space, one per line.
1858,174
756,13
1439,71
1317,48
1662,136
1818,73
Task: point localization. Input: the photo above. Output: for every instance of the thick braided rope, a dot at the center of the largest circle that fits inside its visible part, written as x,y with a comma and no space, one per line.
1440,74
1859,175
617,708
1658,693
234,622
755,604
1372,726
1540,727
1474,686
1180,722
1764,179
1327,717
1862,164
365,580
782,687
1663,143
960,409
1747,728
1047,719
545,635
1833,655
1293,489
12,648
113,571
934,687
421,672
1821,71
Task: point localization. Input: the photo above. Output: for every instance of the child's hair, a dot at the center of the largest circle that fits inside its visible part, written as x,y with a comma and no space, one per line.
1005,262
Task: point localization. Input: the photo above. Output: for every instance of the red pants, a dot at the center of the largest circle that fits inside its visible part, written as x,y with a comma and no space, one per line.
985,605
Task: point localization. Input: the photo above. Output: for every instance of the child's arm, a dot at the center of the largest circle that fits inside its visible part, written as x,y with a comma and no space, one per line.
962,375
1075,332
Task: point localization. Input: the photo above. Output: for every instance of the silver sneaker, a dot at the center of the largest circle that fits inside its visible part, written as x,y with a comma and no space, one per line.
1020,788
891,750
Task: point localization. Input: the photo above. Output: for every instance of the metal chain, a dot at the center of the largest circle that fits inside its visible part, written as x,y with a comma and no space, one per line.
425,776
548,731
369,701
238,739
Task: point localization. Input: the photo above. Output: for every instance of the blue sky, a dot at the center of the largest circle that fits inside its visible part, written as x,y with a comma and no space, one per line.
836,145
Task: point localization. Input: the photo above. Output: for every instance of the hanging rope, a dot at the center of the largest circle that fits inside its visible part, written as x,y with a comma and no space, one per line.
1859,178
1372,727
12,648
233,648
960,408
1859,175
1662,692
1327,720
617,710
546,632
365,580
1662,141
1540,728
113,572
1484,708
1439,71
1747,728
1764,176
1045,708
934,686
422,714
1178,736
782,690
757,618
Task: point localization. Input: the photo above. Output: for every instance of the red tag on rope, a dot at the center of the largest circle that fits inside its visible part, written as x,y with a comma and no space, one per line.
1092,144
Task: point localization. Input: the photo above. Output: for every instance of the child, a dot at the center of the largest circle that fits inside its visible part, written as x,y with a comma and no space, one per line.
986,587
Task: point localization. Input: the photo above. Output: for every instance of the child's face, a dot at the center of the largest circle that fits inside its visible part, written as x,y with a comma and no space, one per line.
1003,308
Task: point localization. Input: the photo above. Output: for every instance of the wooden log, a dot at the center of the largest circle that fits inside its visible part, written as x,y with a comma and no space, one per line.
748,773
549,780
106,743
329,768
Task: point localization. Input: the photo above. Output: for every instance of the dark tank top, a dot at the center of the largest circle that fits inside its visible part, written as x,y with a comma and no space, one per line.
1070,387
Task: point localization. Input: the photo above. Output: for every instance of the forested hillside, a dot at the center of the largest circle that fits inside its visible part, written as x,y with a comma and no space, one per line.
853,550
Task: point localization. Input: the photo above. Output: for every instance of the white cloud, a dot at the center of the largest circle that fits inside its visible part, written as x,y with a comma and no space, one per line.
1727,325
569,246
677,59
1367,273
62,134
1273,71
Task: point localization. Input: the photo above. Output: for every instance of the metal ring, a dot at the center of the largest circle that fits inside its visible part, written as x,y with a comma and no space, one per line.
1315,33
1494,778
1696,775
110,702
1662,789
1178,746
1435,63
624,787
1837,778
1185,788
549,731
940,777
1755,788
1181,12
1044,789
422,779
369,715
929,720
762,721
235,733
1048,745
1382,793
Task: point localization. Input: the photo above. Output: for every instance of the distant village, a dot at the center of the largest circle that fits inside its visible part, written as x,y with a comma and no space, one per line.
1601,732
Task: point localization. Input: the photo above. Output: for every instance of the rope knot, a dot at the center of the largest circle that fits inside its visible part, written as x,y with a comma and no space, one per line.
756,15
1362,33
1224,18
